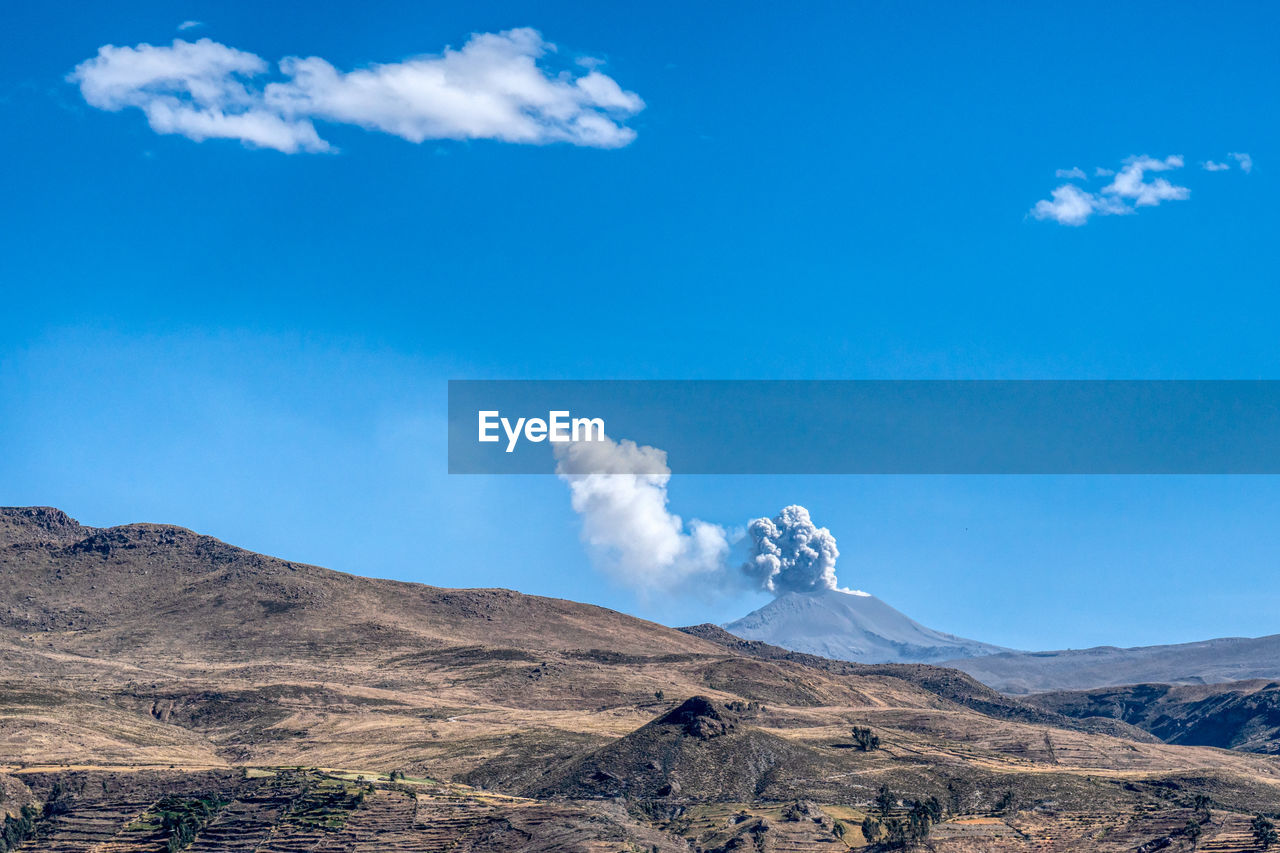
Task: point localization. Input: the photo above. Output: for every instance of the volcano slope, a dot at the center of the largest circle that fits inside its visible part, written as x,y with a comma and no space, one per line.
152,678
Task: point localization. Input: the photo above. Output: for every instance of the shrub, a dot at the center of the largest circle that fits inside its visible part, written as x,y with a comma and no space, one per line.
885,801
865,739
1264,832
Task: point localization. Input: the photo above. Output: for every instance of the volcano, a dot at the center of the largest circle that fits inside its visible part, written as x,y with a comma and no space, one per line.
853,626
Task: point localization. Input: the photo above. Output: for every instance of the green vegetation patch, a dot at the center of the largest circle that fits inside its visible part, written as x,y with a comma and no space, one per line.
179,819
327,803
18,829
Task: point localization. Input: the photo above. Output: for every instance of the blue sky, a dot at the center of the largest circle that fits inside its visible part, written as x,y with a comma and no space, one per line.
254,343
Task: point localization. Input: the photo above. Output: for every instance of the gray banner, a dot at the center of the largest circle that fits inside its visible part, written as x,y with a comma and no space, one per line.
876,427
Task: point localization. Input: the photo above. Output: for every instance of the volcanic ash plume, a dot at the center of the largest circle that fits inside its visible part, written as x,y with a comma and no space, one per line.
790,554
620,490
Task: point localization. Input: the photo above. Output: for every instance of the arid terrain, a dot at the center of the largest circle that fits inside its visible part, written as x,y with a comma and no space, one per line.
158,687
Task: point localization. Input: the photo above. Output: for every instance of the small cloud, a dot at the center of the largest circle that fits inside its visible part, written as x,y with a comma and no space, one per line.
189,25
1129,183
1245,161
496,86
1211,166
1074,173
1104,173
1069,205
1130,190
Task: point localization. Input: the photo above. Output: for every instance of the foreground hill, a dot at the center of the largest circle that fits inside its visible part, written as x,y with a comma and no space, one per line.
1207,662
854,626
147,658
715,753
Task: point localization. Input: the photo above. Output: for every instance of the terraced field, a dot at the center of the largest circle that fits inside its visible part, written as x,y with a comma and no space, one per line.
287,810
310,811
714,828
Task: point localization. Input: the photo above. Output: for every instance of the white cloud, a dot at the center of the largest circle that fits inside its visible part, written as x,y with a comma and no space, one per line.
493,87
1129,183
1069,205
1129,190
1104,173
620,491
196,89
1245,161
190,25
1211,166
1074,173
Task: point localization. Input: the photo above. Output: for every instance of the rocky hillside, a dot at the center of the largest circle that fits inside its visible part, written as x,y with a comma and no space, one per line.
1236,715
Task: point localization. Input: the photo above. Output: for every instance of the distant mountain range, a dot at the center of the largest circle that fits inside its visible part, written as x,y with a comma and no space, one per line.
853,626
1206,662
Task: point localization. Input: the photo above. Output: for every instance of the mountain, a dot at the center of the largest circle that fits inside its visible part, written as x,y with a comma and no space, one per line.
1206,662
1236,715
852,626
152,678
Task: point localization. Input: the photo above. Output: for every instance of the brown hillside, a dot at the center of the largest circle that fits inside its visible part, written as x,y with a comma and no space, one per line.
150,646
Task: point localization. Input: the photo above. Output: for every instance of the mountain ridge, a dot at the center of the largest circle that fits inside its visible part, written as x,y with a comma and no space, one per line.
1213,661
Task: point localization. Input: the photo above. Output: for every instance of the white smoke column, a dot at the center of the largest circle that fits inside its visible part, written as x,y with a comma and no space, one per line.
790,554
620,491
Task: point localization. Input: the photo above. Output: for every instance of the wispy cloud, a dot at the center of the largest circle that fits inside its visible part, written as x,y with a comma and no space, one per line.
190,25
1245,161
1074,173
496,86
1129,190
1211,166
